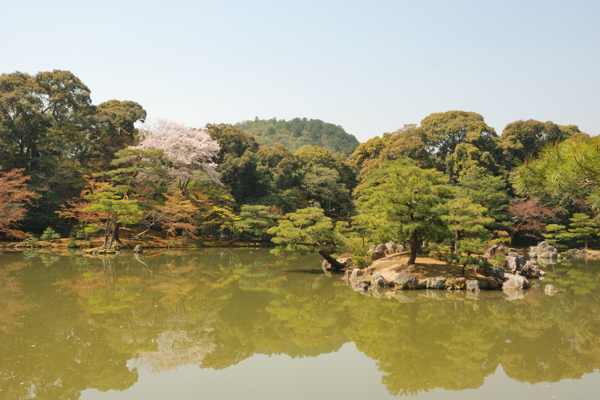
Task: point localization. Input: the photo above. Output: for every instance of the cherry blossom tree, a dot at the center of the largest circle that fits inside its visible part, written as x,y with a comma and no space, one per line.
189,151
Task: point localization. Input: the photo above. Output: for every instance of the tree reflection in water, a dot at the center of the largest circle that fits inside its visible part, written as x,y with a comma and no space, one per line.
73,323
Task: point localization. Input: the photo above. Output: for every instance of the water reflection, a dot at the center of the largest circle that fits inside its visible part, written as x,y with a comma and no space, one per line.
70,323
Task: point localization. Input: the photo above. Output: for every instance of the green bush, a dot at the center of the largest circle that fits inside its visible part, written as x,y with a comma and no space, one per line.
50,234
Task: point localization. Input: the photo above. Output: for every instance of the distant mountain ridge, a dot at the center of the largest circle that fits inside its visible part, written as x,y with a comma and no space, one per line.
298,132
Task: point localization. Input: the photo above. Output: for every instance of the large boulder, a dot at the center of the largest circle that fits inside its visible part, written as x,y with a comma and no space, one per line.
377,255
515,282
435,283
531,270
406,280
473,285
514,262
391,248
356,272
543,250
379,281
380,248
578,253
495,249
495,271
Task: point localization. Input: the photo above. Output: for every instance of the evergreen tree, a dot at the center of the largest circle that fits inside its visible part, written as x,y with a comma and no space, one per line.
583,227
402,201
556,233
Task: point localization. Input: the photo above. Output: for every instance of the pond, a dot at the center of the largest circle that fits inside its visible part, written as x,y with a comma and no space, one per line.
225,323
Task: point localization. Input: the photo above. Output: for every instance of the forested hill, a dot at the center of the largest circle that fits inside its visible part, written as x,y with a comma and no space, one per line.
299,132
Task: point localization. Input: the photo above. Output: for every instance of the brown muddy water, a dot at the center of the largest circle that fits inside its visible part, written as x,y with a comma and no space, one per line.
243,324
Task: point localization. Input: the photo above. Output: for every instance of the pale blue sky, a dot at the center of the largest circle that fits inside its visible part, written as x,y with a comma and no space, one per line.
367,66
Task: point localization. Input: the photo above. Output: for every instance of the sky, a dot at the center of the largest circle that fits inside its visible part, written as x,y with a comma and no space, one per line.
368,66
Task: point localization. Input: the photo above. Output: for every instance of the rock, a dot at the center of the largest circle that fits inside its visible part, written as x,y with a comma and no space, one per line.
367,272
514,262
577,253
380,248
495,249
356,272
515,282
138,249
495,271
391,248
492,284
377,255
379,281
363,285
530,270
550,290
345,261
435,283
473,286
399,248
95,252
406,280
548,254
372,248
460,283
347,274
543,250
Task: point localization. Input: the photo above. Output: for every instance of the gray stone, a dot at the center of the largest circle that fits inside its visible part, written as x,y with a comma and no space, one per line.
138,249
379,281
530,270
391,248
548,254
435,283
372,248
356,272
515,282
473,285
495,271
550,290
514,262
495,249
460,283
399,248
367,272
578,253
363,286
377,255
406,280
380,248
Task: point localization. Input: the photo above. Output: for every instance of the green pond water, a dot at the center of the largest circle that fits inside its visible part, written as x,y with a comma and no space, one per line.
243,324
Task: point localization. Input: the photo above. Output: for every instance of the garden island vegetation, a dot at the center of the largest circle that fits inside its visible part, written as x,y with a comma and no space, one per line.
450,186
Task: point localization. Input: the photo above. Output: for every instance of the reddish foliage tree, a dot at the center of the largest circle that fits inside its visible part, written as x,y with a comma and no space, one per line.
13,198
529,218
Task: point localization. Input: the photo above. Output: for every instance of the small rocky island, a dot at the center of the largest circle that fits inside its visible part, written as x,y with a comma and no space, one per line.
390,270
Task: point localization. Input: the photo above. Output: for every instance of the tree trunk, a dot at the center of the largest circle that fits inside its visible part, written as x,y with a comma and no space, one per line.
414,248
116,234
456,237
112,238
334,264
237,238
106,230
586,243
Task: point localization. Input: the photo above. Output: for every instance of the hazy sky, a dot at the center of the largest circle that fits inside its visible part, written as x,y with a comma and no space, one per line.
369,66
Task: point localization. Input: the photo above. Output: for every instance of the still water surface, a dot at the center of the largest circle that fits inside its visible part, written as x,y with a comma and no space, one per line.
223,324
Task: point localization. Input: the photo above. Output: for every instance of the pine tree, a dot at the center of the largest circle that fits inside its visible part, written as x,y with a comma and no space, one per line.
402,201
583,227
556,233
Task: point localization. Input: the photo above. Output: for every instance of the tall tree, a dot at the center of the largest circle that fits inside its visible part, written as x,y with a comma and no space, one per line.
582,227
188,152
402,201
14,196
442,132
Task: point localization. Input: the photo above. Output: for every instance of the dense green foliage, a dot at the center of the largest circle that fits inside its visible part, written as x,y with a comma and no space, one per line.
451,180
300,132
